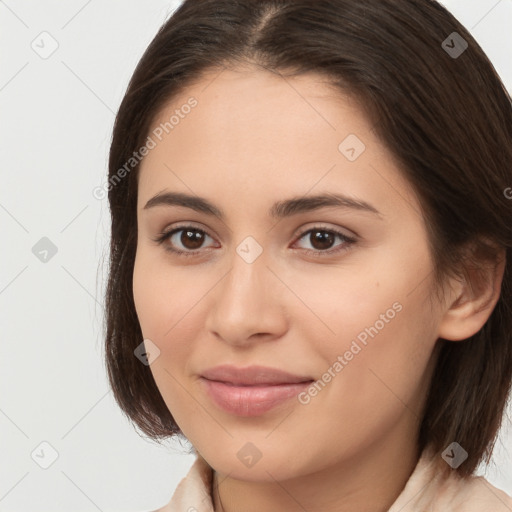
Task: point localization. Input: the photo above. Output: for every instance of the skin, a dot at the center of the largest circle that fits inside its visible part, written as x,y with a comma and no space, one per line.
255,138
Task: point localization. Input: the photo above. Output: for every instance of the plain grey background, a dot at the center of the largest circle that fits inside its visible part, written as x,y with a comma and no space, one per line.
65,67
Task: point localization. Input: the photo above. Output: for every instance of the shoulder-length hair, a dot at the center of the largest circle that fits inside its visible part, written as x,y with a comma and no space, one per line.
436,102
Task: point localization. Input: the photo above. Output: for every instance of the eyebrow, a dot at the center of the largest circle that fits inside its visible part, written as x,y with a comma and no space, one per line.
280,209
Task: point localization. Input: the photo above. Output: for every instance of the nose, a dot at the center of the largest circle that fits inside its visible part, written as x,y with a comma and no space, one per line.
248,304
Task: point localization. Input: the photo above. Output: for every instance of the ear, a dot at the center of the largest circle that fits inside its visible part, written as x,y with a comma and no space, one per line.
472,299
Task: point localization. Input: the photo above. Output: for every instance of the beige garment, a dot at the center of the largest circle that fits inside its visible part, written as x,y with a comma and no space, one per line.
427,490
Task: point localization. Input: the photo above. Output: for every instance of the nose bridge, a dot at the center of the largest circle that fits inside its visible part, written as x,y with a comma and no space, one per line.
246,285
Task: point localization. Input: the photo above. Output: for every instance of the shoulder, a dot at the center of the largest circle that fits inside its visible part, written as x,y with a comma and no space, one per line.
193,493
433,485
472,494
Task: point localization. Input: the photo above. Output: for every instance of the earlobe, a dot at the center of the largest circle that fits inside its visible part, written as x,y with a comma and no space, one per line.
474,300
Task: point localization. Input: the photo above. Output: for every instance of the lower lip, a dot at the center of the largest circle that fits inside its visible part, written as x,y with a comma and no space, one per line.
250,400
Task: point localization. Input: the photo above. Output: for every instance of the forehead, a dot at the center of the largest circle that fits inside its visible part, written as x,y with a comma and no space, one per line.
250,107
256,131
255,98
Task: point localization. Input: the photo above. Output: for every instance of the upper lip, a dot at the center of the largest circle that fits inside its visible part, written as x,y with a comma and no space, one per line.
252,375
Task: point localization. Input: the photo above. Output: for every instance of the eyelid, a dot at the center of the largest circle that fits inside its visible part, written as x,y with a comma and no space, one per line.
167,232
323,226
184,225
347,241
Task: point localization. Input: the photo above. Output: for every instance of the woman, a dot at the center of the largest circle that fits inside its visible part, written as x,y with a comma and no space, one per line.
310,270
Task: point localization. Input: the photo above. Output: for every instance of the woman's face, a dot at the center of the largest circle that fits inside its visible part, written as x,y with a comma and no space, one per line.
278,283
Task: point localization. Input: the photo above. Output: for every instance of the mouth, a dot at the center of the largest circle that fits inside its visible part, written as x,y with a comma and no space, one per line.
251,399
252,376
251,390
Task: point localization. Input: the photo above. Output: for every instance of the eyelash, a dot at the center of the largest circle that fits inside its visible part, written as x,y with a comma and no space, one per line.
348,241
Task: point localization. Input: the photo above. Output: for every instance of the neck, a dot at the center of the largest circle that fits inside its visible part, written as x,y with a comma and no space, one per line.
367,482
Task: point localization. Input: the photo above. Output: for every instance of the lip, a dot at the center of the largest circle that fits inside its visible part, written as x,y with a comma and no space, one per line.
251,391
250,400
252,375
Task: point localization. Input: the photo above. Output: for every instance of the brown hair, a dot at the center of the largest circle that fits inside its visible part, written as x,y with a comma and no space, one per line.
447,119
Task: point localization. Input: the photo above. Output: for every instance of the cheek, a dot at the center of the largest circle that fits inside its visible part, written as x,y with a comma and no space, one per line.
384,372
170,305
164,297
374,334
164,302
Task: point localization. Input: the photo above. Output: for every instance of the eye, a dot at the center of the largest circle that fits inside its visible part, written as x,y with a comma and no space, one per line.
322,240
191,238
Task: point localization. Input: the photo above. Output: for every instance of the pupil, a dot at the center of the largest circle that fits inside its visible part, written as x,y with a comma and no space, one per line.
192,239
324,238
